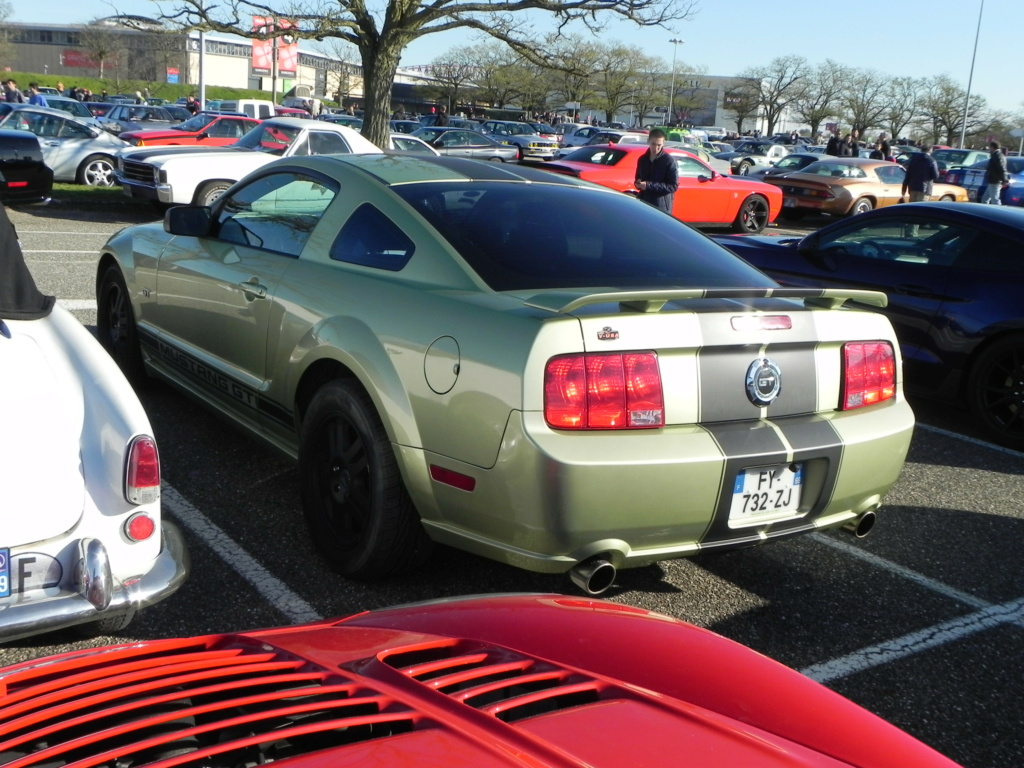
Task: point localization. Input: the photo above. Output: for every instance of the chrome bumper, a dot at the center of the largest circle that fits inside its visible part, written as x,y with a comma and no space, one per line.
97,595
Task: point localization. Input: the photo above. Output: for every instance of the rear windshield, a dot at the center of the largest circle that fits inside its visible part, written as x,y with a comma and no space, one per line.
524,236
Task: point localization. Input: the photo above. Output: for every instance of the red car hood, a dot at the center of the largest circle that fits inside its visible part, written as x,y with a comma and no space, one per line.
150,135
575,683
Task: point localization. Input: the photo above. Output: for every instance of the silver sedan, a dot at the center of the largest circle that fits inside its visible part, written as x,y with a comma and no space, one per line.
77,153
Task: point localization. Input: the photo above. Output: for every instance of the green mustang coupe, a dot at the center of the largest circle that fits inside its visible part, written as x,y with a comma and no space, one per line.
514,363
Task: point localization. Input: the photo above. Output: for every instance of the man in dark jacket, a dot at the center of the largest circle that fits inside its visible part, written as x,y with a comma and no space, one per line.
922,170
657,177
995,175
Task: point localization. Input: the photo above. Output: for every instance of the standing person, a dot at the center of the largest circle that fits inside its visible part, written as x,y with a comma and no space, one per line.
60,88
922,170
190,104
995,175
878,153
442,116
832,148
11,92
657,177
884,145
36,98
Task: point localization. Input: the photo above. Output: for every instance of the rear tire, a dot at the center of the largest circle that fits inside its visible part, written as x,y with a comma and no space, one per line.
115,325
105,626
995,391
752,216
355,503
861,206
208,193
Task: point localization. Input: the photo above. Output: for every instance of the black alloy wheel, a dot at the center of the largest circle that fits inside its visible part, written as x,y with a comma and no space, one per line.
995,391
752,217
115,321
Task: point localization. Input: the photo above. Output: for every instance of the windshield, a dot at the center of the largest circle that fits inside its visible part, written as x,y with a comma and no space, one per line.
196,123
273,139
532,236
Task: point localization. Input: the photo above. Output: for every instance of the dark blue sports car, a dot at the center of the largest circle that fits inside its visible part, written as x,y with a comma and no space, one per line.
954,274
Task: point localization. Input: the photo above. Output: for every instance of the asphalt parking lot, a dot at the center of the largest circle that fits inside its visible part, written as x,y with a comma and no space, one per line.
921,623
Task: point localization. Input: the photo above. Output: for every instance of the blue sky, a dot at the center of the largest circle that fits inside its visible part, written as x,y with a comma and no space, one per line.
915,38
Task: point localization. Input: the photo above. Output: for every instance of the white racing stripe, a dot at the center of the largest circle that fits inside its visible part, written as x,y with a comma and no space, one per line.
270,587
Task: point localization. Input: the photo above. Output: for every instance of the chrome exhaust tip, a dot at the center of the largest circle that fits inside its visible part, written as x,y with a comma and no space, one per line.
861,526
593,576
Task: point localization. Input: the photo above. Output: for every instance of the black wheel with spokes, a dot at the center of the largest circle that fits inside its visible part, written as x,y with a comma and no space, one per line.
752,217
995,391
115,323
355,503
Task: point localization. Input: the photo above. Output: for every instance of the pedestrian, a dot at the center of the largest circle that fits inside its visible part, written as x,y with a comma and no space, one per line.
885,146
60,88
832,148
922,170
138,98
442,116
190,104
657,177
995,175
36,98
11,92
877,153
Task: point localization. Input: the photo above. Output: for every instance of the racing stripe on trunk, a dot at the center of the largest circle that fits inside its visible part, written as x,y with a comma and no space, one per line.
808,439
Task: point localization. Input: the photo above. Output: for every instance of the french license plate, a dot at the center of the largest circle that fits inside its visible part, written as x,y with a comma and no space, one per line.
5,573
761,493
789,202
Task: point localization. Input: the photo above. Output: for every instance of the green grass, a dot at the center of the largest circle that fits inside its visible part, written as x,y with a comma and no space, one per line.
95,198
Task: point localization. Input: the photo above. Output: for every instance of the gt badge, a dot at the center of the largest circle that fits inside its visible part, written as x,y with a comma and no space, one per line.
764,381
607,334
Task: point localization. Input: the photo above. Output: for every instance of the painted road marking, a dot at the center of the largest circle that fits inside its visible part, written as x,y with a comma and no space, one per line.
271,588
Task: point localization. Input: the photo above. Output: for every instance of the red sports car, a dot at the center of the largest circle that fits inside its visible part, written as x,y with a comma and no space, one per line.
541,681
705,197
206,130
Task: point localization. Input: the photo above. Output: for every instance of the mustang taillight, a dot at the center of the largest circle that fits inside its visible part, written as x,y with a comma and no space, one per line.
869,373
142,471
604,391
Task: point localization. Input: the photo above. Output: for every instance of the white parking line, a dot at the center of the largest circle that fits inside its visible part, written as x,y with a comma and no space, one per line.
273,590
972,440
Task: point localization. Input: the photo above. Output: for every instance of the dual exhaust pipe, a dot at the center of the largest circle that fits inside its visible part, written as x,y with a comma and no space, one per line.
595,576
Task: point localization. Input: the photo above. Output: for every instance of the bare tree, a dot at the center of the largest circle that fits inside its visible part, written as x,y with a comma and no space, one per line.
6,47
780,85
863,98
820,99
744,100
451,72
621,67
381,31
340,82
902,97
575,65
104,46
500,73
942,108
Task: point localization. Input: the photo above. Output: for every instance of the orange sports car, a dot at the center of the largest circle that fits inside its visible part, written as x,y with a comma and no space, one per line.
844,186
705,197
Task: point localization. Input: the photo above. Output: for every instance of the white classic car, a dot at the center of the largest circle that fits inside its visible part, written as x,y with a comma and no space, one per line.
199,175
81,537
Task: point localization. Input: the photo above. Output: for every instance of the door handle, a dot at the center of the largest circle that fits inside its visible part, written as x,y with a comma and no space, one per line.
252,288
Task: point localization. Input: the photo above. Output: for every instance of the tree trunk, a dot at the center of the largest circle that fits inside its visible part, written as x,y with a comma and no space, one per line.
380,62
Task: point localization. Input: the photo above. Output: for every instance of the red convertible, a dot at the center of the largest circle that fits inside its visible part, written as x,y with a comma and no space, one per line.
705,197
204,130
491,682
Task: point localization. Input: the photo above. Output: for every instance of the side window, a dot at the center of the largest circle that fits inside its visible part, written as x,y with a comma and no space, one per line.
275,213
371,239
991,253
688,167
321,143
891,174
72,130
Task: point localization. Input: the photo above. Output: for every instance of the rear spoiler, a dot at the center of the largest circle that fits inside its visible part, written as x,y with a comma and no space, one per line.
653,301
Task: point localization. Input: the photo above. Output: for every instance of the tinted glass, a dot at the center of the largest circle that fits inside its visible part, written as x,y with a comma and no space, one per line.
371,239
274,213
525,236
597,155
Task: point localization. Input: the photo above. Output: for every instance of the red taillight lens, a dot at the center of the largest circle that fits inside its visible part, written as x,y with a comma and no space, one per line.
142,472
604,391
869,373
139,527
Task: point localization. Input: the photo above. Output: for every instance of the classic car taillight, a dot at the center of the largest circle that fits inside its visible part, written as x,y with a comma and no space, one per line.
869,373
139,527
604,391
142,471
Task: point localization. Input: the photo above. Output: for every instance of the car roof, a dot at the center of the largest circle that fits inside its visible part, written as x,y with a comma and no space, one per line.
1005,215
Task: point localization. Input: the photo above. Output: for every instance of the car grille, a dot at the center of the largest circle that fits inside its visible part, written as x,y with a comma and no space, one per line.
497,681
216,704
142,173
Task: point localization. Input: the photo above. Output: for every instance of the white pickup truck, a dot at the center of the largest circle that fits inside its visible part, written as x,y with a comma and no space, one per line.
199,175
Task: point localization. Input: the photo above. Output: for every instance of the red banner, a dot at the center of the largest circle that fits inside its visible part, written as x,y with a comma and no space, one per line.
73,57
287,51
263,50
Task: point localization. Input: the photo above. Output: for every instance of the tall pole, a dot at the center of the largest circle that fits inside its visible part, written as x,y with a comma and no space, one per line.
970,78
672,90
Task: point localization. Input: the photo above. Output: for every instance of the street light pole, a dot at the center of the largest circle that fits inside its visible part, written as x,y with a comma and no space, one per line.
970,78
672,90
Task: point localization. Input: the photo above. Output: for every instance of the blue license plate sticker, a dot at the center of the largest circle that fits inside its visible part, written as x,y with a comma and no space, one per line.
764,494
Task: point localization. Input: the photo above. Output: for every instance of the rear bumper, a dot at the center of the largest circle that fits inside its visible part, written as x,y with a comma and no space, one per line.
96,594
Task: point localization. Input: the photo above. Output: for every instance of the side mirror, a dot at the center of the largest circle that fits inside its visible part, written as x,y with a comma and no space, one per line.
188,220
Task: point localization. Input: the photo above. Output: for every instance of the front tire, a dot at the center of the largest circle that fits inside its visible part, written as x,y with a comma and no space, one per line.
115,322
358,511
96,171
744,168
209,192
995,391
752,217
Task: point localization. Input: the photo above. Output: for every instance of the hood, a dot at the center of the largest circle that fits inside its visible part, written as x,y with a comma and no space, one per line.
19,297
137,154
